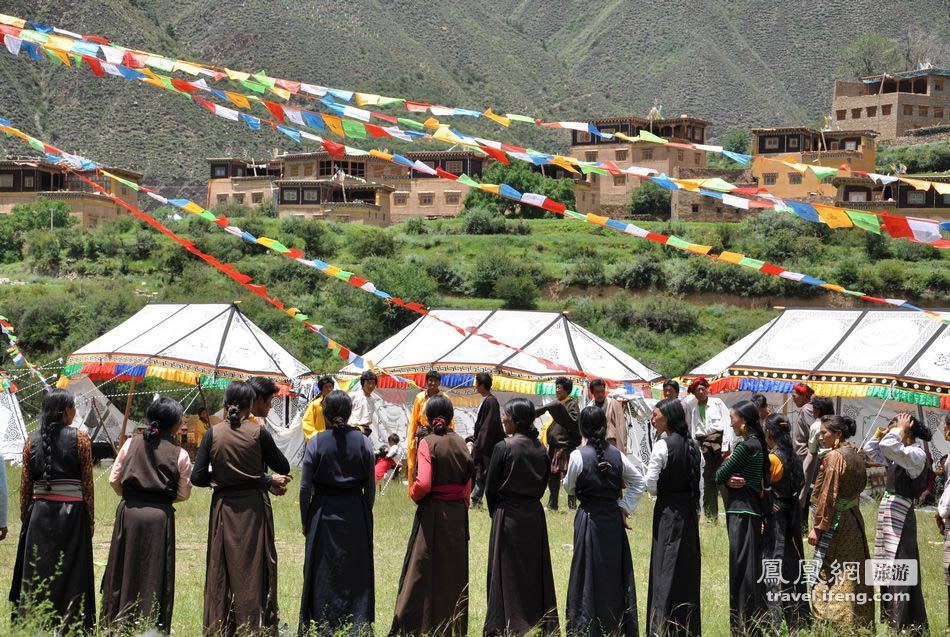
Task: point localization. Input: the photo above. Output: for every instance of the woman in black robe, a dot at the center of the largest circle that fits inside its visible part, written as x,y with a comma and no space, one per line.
601,596
337,491
520,581
54,556
150,473
783,537
433,587
674,476
241,571
746,474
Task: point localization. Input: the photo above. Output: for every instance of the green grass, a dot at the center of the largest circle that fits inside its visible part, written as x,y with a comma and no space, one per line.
393,519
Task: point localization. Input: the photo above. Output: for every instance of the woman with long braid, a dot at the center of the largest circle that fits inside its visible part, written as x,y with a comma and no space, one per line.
337,492
150,473
601,597
746,476
674,476
783,537
241,576
54,557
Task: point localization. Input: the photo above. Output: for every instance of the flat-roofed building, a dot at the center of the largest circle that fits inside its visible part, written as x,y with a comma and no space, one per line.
858,192
241,181
345,200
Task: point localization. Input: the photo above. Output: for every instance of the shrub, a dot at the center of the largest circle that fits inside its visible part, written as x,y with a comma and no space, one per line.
482,221
893,276
640,274
446,275
587,273
317,238
42,250
517,291
371,242
907,251
650,199
415,226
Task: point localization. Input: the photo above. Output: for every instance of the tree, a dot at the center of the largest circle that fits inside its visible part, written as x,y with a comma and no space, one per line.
738,141
520,176
650,199
25,218
869,54
517,291
920,47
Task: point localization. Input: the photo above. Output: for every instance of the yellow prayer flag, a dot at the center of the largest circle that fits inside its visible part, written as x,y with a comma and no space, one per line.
19,23
918,184
280,92
563,162
362,99
239,76
504,121
431,123
689,184
942,188
191,69
238,100
492,188
381,155
335,124
443,134
60,42
731,257
60,55
332,270
797,167
193,208
833,287
155,82
597,219
699,249
834,217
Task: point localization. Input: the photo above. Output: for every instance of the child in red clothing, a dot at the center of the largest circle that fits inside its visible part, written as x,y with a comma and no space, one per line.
386,457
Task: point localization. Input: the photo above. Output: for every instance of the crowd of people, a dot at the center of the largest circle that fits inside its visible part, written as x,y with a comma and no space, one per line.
778,480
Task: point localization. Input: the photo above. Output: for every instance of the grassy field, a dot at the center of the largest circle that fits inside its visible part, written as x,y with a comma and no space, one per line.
393,518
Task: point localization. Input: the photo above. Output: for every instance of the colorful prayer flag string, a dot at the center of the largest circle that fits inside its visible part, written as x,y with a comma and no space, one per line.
19,358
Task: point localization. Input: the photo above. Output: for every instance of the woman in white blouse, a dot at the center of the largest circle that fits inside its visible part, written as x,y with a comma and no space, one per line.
899,448
601,597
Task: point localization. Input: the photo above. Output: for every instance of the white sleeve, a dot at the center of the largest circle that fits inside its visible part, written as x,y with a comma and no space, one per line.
658,458
574,466
943,507
873,450
912,458
813,440
633,483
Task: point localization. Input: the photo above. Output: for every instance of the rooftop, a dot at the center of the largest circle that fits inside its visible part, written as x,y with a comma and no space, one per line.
903,75
20,161
813,131
351,183
670,121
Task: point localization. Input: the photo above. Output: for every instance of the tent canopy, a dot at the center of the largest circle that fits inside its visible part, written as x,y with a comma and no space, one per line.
894,354
429,343
195,343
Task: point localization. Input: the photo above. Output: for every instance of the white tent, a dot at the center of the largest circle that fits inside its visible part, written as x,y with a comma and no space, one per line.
431,344
872,361
191,343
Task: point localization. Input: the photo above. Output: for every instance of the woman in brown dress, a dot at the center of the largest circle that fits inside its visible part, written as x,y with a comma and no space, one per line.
58,517
520,581
241,578
150,473
838,531
433,588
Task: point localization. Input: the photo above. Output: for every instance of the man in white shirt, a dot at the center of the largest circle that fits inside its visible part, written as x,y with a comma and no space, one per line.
364,406
709,422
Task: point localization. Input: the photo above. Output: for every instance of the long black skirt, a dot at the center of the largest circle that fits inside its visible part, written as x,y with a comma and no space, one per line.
789,597
601,597
433,587
673,597
909,615
520,580
138,586
54,564
338,589
747,609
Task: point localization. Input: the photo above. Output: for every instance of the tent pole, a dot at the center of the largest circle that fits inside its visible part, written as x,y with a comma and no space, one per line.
128,410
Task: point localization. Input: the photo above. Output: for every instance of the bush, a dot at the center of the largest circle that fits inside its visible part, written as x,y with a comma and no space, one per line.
908,251
588,273
446,274
482,221
665,314
316,239
371,242
893,276
650,200
517,291
42,250
415,226
641,274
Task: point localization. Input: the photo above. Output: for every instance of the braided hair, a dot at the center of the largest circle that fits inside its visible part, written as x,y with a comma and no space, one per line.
749,412
672,410
53,417
439,413
337,407
162,416
521,412
593,426
237,398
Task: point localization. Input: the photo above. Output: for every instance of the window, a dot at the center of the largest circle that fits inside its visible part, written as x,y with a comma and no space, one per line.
239,198
679,155
426,198
858,196
454,166
257,197
400,198
851,144
293,170
793,143
647,153
855,113
453,197
938,112
357,169
938,85
583,138
620,180
946,200
326,168
871,111
908,109
770,179
795,178
923,111
916,198
886,110
311,195
608,131
28,183
590,155
699,158
220,198
833,146
771,143
290,195
621,155
219,171
694,207
840,114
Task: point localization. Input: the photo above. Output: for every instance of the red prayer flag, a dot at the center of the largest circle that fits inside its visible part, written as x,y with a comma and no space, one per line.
376,131
94,65
444,174
276,110
553,206
768,268
335,149
496,154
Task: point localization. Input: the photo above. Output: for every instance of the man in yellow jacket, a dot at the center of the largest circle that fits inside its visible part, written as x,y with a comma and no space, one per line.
313,422
418,424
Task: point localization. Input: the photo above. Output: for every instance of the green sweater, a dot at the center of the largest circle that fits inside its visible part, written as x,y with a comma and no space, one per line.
746,461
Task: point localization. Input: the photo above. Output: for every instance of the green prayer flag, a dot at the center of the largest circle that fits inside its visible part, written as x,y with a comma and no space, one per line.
676,242
468,181
356,130
254,86
823,171
162,64
647,136
36,144
520,118
410,123
865,221
719,185
751,263
262,77
204,214
593,169
126,182
575,215
387,101
300,316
